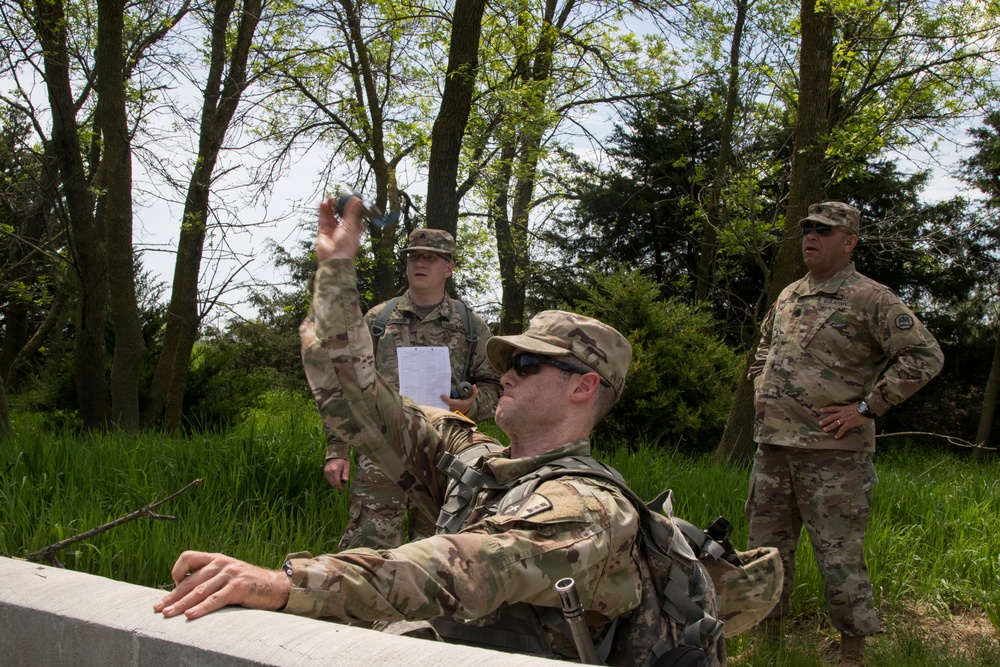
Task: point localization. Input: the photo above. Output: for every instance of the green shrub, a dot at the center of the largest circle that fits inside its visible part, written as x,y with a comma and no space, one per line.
233,370
682,377
221,390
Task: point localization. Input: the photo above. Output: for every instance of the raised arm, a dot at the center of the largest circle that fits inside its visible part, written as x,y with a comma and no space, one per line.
355,402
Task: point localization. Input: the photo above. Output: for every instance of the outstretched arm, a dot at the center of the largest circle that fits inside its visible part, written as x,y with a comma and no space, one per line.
586,533
357,404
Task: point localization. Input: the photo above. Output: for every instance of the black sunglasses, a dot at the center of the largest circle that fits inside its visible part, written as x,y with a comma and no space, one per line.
529,364
820,228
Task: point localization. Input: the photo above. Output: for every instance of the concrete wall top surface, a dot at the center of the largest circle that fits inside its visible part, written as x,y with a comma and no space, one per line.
50,616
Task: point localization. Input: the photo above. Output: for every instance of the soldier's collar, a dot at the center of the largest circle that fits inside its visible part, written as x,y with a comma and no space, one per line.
506,469
807,286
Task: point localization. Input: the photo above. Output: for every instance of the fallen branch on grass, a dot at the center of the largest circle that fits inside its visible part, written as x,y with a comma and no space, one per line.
952,440
48,554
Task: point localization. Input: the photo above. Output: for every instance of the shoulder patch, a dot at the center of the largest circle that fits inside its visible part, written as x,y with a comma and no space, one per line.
534,504
904,322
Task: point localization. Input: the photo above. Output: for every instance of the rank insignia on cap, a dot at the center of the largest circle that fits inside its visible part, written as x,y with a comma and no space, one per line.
904,322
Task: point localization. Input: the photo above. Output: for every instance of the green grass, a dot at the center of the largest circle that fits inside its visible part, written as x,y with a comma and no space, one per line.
263,494
933,547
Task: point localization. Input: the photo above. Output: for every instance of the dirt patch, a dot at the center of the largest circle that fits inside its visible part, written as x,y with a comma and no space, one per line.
969,628
808,639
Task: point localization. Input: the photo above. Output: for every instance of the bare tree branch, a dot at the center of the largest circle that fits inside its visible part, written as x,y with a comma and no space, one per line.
48,553
952,440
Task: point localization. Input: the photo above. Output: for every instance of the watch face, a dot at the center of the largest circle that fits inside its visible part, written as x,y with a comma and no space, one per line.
864,409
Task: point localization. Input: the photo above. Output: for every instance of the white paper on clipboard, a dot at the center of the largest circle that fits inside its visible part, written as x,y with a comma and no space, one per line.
424,374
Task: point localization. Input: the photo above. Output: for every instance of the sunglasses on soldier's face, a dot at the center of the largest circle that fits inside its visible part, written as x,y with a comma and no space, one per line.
529,364
820,228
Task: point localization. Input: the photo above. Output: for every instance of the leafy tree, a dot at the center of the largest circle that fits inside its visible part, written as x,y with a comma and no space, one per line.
233,27
983,171
680,384
548,67
644,208
88,185
642,211
716,215
28,244
363,80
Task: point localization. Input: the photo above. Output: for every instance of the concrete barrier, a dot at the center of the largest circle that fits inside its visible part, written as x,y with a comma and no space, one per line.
55,617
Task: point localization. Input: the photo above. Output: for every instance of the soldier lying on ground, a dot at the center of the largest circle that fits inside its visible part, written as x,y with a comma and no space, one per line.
560,378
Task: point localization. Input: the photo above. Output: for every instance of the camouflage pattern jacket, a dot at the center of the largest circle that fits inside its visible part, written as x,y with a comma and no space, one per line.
441,327
827,343
570,527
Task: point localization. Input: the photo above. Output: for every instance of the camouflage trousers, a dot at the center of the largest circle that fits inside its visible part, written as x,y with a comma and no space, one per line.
378,515
830,493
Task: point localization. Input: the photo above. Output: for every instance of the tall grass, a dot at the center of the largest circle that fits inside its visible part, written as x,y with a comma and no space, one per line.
263,493
932,544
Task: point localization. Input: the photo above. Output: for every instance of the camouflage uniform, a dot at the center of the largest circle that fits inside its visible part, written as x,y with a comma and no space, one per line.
570,527
827,343
378,506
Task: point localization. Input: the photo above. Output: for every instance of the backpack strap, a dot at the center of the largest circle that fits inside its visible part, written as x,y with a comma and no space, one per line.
471,337
703,544
378,326
465,482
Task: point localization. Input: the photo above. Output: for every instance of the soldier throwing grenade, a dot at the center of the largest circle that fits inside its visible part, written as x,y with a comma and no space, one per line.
424,316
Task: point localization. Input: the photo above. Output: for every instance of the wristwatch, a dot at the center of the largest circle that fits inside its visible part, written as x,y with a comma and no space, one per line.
865,410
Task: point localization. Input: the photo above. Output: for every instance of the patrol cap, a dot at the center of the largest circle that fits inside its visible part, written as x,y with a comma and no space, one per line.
434,240
835,214
557,333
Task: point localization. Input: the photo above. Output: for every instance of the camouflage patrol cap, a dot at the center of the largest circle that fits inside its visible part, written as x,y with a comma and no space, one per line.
434,240
835,214
747,593
557,332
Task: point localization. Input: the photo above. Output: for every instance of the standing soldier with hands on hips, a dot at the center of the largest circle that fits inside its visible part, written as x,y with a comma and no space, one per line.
837,350
425,316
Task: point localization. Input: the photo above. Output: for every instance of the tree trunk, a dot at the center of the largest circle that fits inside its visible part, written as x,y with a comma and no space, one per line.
806,187
512,242
383,241
507,247
990,397
4,413
718,214
87,237
512,315
449,126
31,347
222,96
114,210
